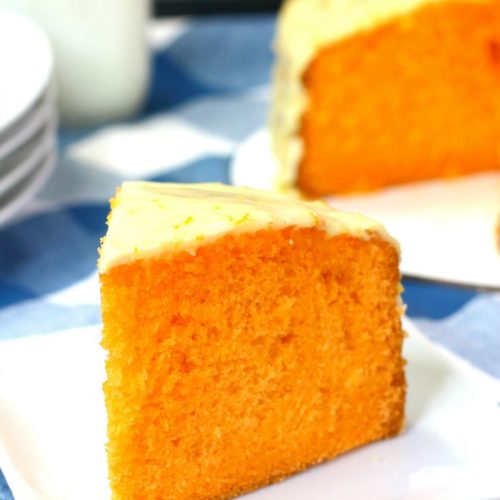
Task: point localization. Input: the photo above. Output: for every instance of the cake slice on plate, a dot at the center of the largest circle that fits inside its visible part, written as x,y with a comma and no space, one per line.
249,336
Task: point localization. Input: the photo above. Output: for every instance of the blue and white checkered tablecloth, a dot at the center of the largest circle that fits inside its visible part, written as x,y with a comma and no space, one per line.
209,91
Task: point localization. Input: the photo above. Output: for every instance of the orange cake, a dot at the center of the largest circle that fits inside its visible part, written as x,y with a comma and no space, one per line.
249,336
371,93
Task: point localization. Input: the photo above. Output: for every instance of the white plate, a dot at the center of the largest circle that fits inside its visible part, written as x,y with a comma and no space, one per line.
446,228
52,429
21,193
43,111
17,166
26,66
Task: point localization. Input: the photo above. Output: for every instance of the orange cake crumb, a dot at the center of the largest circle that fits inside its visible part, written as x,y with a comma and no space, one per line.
249,356
412,96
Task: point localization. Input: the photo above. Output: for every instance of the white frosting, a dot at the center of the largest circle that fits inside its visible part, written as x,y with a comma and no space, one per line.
305,26
148,218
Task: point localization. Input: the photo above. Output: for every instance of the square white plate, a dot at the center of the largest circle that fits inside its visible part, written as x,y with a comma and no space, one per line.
52,429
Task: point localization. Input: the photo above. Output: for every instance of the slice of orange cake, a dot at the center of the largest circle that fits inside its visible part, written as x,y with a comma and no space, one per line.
372,93
249,336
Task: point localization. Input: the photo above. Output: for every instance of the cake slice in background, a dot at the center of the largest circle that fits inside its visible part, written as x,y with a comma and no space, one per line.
249,336
373,93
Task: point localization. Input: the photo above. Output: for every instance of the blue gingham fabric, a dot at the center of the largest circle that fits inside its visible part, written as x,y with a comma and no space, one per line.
208,92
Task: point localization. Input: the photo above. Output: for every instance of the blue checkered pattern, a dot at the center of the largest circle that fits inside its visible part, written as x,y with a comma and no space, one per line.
204,77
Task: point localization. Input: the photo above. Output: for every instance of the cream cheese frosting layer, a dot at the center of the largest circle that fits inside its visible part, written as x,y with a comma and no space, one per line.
304,27
148,219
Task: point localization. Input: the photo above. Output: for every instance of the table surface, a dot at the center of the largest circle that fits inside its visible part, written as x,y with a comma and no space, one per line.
208,92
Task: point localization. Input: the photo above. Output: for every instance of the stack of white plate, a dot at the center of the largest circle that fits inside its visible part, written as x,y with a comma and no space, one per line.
27,113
